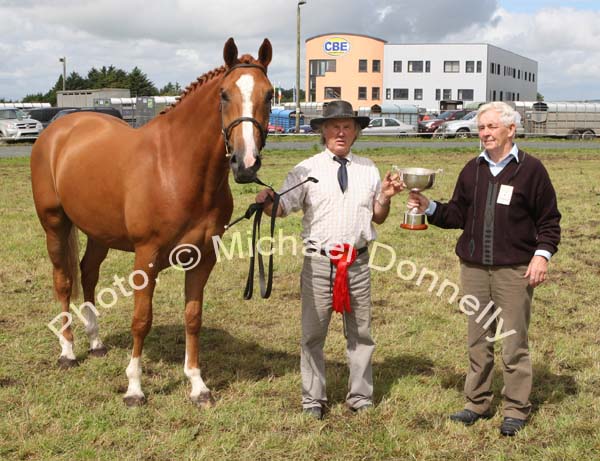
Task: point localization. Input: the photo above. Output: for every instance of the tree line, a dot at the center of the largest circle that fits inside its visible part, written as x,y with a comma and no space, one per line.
136,81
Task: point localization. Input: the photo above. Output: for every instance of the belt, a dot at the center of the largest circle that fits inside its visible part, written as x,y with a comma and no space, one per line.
326,253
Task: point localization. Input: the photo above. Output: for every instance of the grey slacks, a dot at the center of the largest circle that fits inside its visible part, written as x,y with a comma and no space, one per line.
316,284
510,292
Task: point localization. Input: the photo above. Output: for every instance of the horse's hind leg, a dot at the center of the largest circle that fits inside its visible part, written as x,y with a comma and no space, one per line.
63,249
95,253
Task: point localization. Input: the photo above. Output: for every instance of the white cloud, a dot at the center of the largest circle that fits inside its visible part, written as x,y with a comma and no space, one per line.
564,41
178,40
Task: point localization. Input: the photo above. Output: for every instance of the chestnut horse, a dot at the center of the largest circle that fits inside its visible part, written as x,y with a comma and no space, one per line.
149,190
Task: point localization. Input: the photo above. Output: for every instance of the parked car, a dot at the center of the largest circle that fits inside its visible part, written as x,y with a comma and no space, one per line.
301,129
429,126
463,128
45,114
388,127
101,110
15,125
274,129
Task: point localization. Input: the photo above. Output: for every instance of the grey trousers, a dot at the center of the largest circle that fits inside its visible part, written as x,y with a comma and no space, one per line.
316,315
510,292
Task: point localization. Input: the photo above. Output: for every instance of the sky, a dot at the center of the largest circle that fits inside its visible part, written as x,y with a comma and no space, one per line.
178,40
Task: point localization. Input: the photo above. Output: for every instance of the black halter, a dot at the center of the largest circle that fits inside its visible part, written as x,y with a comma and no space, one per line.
226,130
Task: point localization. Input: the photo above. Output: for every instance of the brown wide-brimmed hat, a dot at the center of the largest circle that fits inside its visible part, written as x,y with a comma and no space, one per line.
336,110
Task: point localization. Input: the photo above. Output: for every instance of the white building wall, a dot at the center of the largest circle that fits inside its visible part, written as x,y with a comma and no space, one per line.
520,87
481,83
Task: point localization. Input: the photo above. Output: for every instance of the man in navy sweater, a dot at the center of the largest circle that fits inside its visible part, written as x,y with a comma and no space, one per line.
506,205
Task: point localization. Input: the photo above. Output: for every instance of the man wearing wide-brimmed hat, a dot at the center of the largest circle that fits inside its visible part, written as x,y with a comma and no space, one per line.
339,212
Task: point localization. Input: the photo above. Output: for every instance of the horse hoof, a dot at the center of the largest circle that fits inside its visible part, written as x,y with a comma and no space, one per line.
204,400
134,400
100,352
65,363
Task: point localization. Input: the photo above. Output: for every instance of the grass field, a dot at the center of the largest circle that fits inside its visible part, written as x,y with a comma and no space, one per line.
250,349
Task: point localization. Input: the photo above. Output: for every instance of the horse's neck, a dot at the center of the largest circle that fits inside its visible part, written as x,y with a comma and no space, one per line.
193,128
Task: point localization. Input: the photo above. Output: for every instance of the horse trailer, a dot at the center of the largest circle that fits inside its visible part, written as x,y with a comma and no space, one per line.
566,119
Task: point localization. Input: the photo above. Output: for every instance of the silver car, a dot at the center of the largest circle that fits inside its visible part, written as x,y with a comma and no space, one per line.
389,127
15,125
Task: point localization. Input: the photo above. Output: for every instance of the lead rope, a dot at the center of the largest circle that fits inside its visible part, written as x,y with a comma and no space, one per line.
256,209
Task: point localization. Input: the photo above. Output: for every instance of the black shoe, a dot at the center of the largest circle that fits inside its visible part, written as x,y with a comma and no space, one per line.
467,417
510,426
314,412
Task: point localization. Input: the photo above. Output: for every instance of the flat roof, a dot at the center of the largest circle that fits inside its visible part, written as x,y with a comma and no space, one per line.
460,44
346,33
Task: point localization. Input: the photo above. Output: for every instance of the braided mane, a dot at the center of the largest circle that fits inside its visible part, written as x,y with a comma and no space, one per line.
208,76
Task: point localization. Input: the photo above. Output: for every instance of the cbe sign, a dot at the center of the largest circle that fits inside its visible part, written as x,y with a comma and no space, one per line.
336,46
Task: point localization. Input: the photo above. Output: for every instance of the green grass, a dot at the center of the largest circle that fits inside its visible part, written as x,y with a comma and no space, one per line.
250,349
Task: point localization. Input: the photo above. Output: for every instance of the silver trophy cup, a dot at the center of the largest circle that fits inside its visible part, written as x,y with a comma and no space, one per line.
418,180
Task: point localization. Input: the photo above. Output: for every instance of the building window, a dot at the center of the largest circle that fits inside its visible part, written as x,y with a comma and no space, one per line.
397,66
533,77
479,67
400,93
415,66
388,93
375,93
333,92
451,66
362,92
427,66
519,74
438,94
492,68
447,94
362,65
469,67
465,95
418,94
501,96
376,65
494,95
318,67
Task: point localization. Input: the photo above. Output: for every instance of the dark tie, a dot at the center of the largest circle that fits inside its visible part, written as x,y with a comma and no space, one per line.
342,173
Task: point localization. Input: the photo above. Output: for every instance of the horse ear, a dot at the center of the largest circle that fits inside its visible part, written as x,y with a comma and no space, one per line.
265,53
230,53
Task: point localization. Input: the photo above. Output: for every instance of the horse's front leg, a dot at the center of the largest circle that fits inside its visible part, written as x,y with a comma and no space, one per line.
144,277
195,280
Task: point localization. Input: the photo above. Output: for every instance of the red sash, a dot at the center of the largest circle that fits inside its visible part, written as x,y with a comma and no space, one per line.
342,256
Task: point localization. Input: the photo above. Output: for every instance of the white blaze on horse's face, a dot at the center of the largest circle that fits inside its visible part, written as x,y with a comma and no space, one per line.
246,85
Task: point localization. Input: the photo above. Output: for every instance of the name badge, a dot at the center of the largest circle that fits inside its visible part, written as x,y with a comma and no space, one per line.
505,194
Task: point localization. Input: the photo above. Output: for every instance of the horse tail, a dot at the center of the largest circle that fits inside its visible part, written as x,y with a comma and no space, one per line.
73,260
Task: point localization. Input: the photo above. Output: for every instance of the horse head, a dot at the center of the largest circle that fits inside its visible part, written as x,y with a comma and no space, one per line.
246,95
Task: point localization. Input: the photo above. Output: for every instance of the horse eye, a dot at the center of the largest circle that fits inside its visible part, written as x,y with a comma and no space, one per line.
269,96
224,96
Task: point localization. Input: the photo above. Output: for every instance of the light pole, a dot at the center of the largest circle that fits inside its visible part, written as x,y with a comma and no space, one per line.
64,62
300,3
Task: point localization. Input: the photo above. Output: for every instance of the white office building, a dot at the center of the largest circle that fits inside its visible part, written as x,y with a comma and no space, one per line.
428,75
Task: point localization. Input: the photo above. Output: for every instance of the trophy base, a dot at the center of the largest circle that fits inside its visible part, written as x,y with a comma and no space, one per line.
414,221
413,226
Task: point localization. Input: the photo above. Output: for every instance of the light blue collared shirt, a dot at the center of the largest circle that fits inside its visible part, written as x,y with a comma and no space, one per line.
495,169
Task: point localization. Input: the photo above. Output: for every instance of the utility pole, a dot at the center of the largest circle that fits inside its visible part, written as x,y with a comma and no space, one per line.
300,3
64,63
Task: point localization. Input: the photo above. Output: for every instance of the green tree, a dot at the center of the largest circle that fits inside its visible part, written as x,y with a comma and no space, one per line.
139,84
170,89
107,77
76,82
35,97
288,95
540,97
